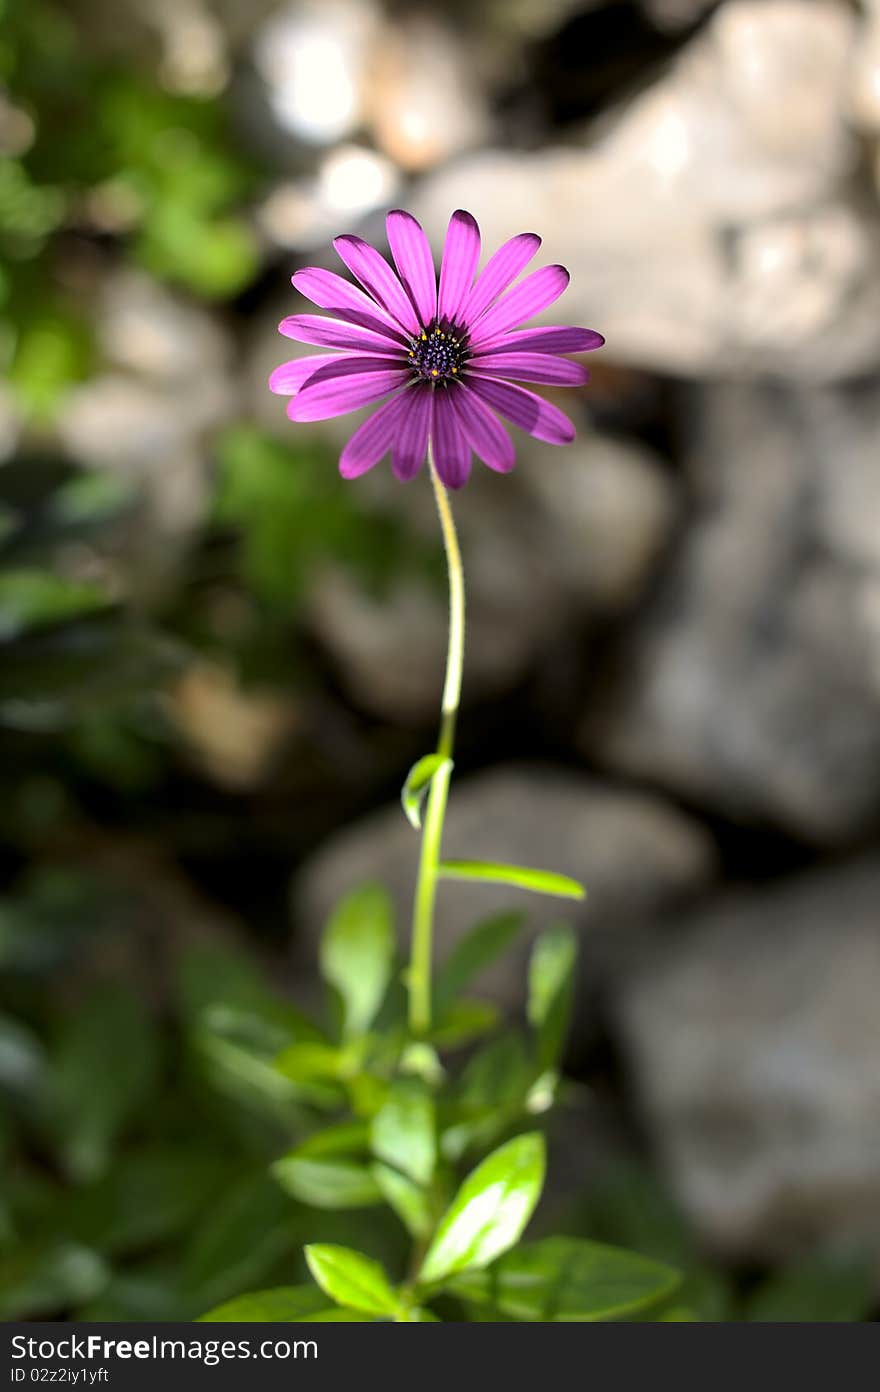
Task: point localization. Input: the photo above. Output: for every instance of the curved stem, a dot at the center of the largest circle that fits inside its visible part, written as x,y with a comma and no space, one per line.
435,812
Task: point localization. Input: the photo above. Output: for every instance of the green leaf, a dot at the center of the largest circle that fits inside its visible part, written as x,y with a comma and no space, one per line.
327,1183
471,954
408,1200
567,1279
551,990
222,989
92,1103
418,780
491,1096
357,953
520,876
340,1317
345,1138
352,1279
403,1132
306,1063
678,1314
48,1278
286,1303
422,1061
249,1229
463,1022
821,1289
490,1210
33,598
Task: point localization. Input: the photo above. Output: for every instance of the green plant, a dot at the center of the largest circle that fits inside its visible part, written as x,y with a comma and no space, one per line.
455,1154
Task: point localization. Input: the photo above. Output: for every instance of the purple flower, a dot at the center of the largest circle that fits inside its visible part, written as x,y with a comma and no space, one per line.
446,357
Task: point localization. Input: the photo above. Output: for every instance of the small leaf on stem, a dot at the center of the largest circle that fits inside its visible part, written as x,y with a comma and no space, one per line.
403,1132
418,781
277,1306
551,989
352,1279
490,1210
519,876
471,954
357,954
408,1200
567,1279
327,1183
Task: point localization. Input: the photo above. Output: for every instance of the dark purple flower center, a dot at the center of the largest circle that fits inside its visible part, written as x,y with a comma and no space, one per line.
438,354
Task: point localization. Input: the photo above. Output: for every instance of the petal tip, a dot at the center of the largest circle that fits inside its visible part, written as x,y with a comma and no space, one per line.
462,215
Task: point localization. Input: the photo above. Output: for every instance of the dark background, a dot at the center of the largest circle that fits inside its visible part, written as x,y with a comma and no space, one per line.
219,660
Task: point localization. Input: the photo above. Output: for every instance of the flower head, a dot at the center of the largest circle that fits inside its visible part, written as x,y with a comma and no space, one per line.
448,356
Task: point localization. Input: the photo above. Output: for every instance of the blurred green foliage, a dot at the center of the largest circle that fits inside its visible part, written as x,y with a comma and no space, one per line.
161,1160
291,515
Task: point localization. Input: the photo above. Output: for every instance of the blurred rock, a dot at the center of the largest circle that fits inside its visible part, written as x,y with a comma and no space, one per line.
314,57
636,855
608,508
426,101
755,1042
118,423
235,734
351,181
143,327
168,383
751,683
723,193
864,78
573,535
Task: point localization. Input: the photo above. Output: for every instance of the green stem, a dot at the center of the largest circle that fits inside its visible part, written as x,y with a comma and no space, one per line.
435,812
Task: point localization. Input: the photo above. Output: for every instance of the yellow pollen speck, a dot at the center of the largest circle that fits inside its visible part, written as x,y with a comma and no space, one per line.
434,372
424,338
454,370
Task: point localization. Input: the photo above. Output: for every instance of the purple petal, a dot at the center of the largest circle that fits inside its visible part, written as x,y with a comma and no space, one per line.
415,264
328,290
411,444
530,367
499,271
482,429
341,387
452,453
549,340
378,279
461,253
287,379
373,439
525,300
335,333
530,412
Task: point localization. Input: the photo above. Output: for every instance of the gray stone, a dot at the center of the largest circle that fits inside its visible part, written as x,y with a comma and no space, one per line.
636,855
754,1040
724,192
751,682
